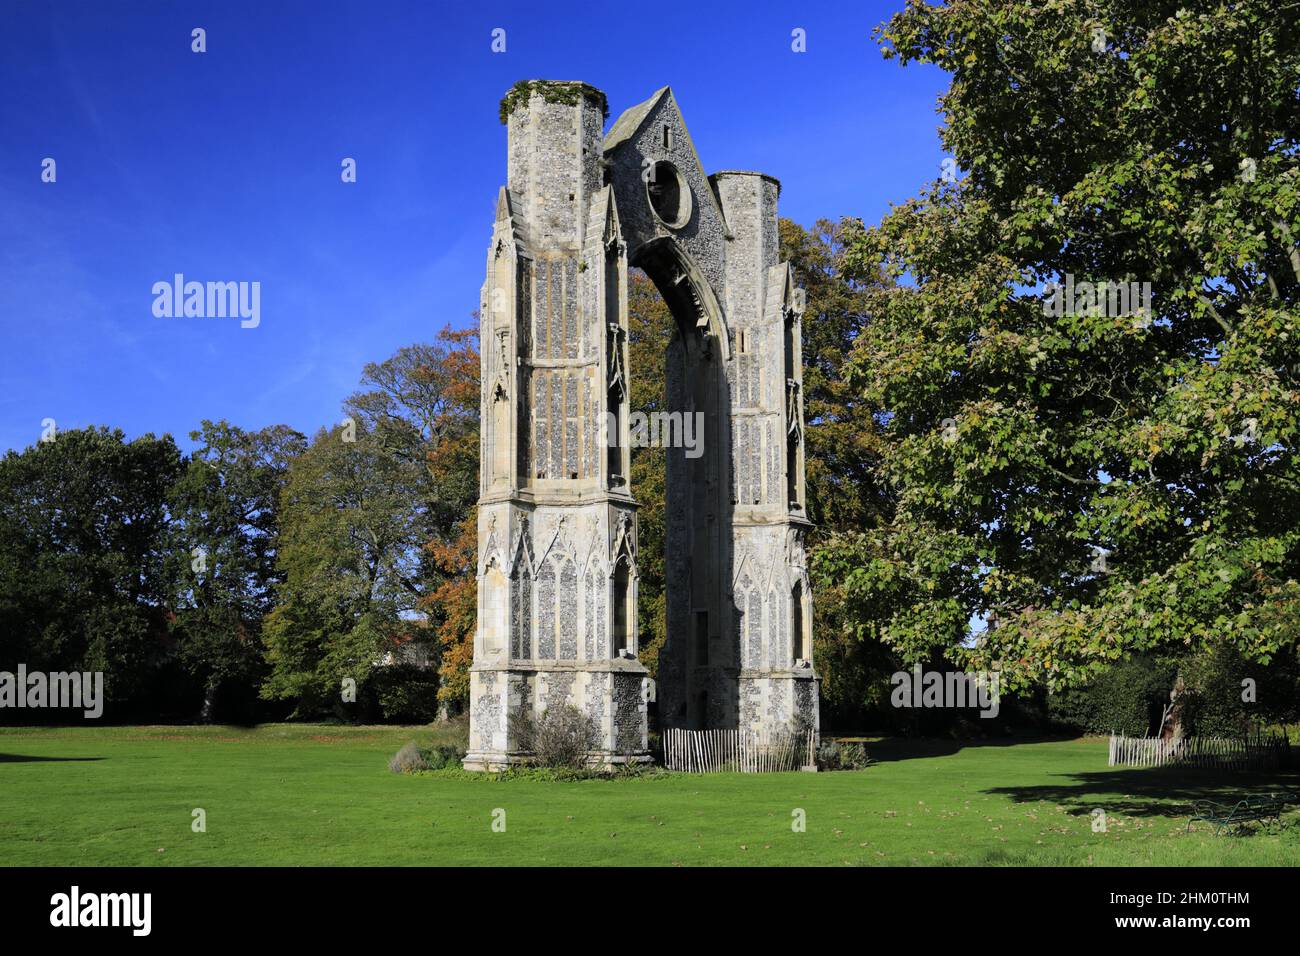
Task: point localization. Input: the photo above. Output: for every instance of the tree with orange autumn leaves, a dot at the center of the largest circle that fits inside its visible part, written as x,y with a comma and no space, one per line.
452,604
372,514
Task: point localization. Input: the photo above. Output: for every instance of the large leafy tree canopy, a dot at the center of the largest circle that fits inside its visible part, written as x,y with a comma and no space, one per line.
452,459
842,436
222,541
1089,481
82,557
349,553
422,403
843,452
370,513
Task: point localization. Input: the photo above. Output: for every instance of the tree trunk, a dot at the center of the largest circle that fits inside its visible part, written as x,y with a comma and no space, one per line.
1171,721
209,701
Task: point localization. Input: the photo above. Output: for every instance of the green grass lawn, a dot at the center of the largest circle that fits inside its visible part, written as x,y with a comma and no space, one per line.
315,794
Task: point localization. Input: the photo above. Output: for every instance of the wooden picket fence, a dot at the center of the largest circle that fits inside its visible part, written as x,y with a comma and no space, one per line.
710,751
1255,752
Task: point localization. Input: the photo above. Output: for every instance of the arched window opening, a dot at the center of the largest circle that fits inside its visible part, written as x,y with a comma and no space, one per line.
622,602
798,629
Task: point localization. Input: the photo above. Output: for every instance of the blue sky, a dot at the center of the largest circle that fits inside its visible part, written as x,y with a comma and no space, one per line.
225,166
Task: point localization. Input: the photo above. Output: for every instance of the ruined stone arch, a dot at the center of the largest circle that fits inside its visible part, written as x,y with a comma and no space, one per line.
686,292
581,205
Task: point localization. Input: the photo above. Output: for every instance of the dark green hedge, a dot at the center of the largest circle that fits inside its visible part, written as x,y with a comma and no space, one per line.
1127,699
1130,697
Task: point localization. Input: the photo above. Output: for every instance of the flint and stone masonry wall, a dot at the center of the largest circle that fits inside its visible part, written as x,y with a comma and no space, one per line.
557,569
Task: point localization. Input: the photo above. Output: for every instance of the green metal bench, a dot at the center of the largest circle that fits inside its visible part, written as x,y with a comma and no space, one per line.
1255,808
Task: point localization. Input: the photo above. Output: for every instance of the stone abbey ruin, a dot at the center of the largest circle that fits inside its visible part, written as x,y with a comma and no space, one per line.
557,526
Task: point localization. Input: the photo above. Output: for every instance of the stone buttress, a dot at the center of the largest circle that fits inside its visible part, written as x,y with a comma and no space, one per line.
557,522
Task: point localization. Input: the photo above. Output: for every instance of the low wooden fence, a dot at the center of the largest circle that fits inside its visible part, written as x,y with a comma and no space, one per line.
709,751
1257,752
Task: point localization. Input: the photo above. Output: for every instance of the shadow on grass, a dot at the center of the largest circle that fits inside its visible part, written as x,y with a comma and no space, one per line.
1155,792
27,758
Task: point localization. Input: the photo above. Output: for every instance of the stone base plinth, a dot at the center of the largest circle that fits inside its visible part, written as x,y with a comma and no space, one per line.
612,693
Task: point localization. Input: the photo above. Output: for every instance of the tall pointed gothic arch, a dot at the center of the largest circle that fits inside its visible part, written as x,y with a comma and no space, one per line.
578,208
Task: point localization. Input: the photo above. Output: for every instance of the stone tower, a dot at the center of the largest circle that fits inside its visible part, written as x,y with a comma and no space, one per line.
557,570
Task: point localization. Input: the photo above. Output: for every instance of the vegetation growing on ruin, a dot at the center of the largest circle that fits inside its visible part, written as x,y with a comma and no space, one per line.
552,91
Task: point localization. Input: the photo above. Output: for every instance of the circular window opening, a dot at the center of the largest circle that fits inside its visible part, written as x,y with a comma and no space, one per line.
670,197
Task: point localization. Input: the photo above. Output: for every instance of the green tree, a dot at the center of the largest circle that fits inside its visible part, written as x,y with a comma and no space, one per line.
374,524
452,548
223,540
1091,481
351,536
422,403
82,579
1229,694
842,437
841,453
